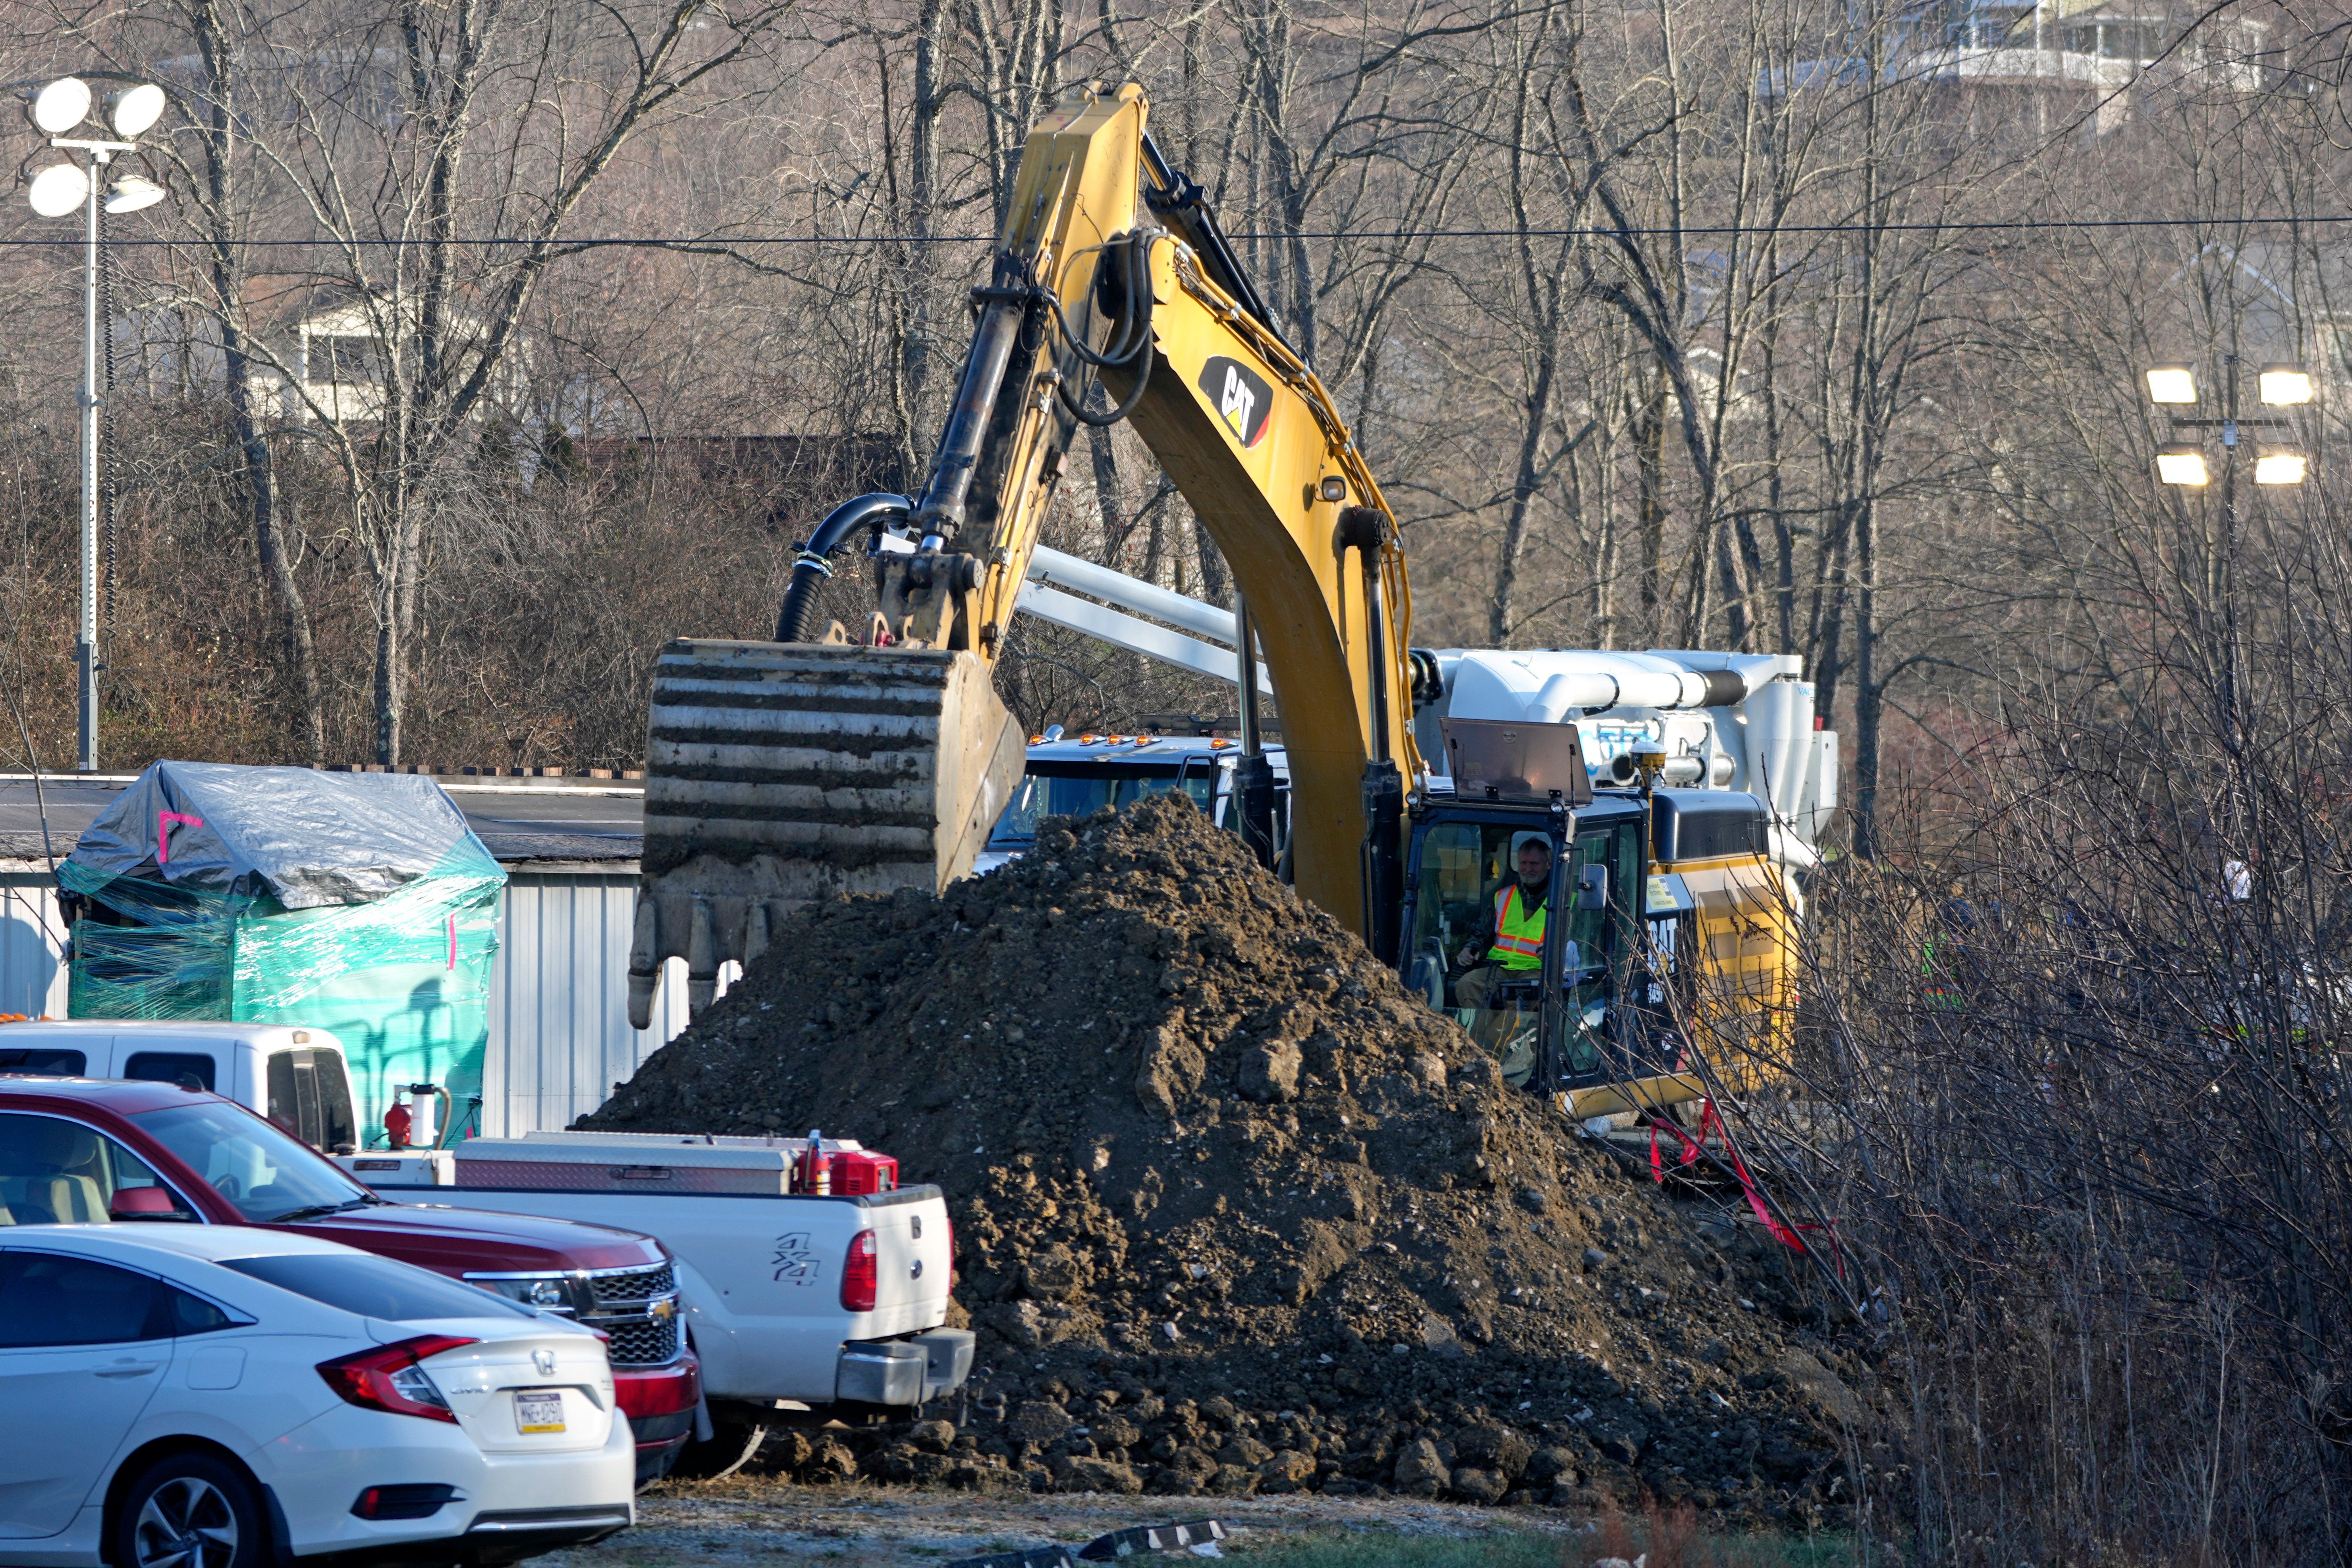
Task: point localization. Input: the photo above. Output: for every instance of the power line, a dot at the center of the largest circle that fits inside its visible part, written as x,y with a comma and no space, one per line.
711,242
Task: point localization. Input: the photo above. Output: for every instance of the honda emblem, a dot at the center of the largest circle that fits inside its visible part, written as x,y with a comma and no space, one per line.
545,1361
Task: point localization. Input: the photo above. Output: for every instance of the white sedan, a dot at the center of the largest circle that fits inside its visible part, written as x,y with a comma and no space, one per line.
217,1396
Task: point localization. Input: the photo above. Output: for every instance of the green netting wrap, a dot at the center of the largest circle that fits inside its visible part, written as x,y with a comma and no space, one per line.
140,972
387,950
405,983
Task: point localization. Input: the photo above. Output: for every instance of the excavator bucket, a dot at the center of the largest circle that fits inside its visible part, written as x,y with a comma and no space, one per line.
779,773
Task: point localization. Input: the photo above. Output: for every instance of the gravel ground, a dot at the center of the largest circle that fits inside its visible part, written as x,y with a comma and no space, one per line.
689,1524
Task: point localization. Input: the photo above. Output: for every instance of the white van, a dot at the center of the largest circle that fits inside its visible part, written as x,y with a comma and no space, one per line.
293,1076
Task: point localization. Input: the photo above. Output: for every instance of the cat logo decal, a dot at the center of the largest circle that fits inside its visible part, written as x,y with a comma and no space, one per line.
1241,397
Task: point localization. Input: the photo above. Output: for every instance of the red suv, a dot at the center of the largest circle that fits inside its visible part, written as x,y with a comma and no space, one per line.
82,1151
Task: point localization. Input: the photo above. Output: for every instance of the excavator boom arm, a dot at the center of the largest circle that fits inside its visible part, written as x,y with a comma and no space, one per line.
1253,443
779,771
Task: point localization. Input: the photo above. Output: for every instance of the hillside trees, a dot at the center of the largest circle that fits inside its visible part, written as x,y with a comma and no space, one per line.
1663,320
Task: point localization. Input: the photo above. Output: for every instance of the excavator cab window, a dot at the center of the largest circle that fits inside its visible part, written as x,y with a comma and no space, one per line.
1488,981
1600,945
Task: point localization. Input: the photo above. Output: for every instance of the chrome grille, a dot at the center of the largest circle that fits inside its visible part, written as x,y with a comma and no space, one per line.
637,1308
631,1287
641,1341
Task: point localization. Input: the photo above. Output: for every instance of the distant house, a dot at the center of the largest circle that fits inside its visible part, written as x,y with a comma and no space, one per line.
314,351
2011,70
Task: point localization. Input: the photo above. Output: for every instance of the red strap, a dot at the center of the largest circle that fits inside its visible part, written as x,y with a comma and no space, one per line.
1709,1117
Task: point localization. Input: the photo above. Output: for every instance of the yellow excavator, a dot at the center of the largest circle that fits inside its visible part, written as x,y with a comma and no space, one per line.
871,758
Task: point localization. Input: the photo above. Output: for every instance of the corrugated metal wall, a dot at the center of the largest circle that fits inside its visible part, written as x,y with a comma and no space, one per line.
32,936
560,1035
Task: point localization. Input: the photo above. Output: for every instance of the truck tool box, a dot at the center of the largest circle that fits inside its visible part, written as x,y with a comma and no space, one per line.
638,1161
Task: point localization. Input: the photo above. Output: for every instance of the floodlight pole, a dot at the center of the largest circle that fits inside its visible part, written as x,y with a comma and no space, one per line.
2230,648
64,105
86,634
101,154
2232,427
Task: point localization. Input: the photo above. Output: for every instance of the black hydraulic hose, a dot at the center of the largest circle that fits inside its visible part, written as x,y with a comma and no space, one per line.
1130,336
842,524
1110,416
1132,253
1173,196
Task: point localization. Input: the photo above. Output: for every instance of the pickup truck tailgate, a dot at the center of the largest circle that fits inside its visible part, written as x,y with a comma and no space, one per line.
915,1263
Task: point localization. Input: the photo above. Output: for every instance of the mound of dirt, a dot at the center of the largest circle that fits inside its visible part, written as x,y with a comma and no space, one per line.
1235,1213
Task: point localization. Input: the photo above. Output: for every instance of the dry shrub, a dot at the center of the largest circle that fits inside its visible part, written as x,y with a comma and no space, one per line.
2084,1032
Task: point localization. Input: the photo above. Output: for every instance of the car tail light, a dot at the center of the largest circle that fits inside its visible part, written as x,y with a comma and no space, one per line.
861,1276
388,1378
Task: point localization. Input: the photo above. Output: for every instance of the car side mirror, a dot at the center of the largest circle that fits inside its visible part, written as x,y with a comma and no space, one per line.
143,1203
1593,887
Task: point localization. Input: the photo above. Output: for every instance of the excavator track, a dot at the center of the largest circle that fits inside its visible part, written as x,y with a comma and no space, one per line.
779,773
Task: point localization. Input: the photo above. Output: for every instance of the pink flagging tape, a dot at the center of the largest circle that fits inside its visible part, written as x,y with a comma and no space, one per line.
453,941
164,820
1710,1117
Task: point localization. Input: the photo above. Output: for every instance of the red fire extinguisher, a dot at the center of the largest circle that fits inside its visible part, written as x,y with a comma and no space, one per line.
396,1123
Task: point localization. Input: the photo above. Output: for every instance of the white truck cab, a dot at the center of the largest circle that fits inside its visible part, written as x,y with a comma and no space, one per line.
1070,775
295,1076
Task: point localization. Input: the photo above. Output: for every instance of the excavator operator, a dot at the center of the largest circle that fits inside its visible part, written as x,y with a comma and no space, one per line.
1511,933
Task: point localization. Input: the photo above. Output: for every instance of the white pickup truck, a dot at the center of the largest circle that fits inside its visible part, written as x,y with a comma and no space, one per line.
794,1301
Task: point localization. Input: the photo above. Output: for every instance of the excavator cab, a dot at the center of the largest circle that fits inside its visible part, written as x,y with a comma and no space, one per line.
1565,1011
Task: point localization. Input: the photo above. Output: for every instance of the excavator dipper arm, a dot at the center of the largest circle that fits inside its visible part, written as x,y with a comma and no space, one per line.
779,771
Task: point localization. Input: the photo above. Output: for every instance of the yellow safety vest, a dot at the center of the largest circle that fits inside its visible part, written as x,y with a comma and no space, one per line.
1519,935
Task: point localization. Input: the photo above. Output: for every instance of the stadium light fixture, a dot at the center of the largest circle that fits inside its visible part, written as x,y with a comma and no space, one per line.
131,194
2183,466
2279,466
2284,384
59,106
133,110
2171,384
59,189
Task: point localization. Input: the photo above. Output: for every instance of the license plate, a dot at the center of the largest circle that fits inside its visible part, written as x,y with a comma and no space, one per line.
539,1412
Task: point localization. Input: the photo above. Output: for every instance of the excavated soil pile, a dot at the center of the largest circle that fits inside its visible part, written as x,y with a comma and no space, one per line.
1236,1214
